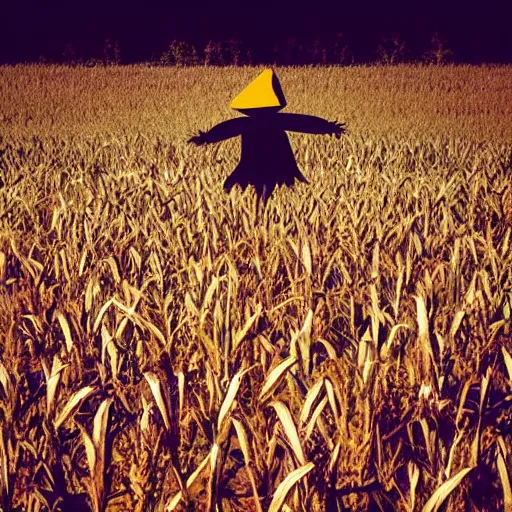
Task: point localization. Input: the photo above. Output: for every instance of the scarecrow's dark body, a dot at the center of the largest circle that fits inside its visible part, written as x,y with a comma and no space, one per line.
267,158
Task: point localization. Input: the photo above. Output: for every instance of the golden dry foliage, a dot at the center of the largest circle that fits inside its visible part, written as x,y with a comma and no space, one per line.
164,346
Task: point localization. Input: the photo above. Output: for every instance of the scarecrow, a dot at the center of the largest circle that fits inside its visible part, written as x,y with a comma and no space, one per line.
267,158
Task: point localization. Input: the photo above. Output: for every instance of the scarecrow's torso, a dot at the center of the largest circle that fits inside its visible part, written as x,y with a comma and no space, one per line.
266,149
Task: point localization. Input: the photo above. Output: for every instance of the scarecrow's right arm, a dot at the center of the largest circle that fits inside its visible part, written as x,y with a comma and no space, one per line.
310,124
222,131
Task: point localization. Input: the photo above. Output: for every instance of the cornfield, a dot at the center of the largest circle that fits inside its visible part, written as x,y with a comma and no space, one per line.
165,346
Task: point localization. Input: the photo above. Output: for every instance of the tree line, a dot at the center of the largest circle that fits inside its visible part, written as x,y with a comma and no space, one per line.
293,51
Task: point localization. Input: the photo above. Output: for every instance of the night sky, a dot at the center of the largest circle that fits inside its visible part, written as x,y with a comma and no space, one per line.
476,31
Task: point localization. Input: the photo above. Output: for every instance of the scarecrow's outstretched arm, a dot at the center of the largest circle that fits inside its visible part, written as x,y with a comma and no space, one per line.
310,124
222,131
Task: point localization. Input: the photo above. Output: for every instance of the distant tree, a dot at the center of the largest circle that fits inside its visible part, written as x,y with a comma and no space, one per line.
232,51
276,55
248,57
438,53
392,49
180,53
69,55
317,53
117,53
94,62
111,52
289,52
165,58
341,53
213,54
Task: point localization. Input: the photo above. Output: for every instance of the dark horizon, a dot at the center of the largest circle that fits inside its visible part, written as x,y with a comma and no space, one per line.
32,30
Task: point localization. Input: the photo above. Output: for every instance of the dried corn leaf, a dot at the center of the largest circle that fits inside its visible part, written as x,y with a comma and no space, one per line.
240,335
154,384
440,495
274,376
285,486
173,503
72,404
310,400
290,430
508,362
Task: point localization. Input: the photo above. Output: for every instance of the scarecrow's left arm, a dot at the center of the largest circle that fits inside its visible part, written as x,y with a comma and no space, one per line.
310,124
222,131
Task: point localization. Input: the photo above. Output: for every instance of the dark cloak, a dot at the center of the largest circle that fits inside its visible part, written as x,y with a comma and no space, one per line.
267,158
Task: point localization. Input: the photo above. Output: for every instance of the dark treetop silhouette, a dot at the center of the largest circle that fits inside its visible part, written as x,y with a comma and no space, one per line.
267,158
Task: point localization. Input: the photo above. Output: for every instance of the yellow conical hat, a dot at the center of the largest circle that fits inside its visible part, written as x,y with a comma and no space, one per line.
263,92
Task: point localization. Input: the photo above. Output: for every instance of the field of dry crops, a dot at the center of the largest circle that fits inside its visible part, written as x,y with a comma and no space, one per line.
164,346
